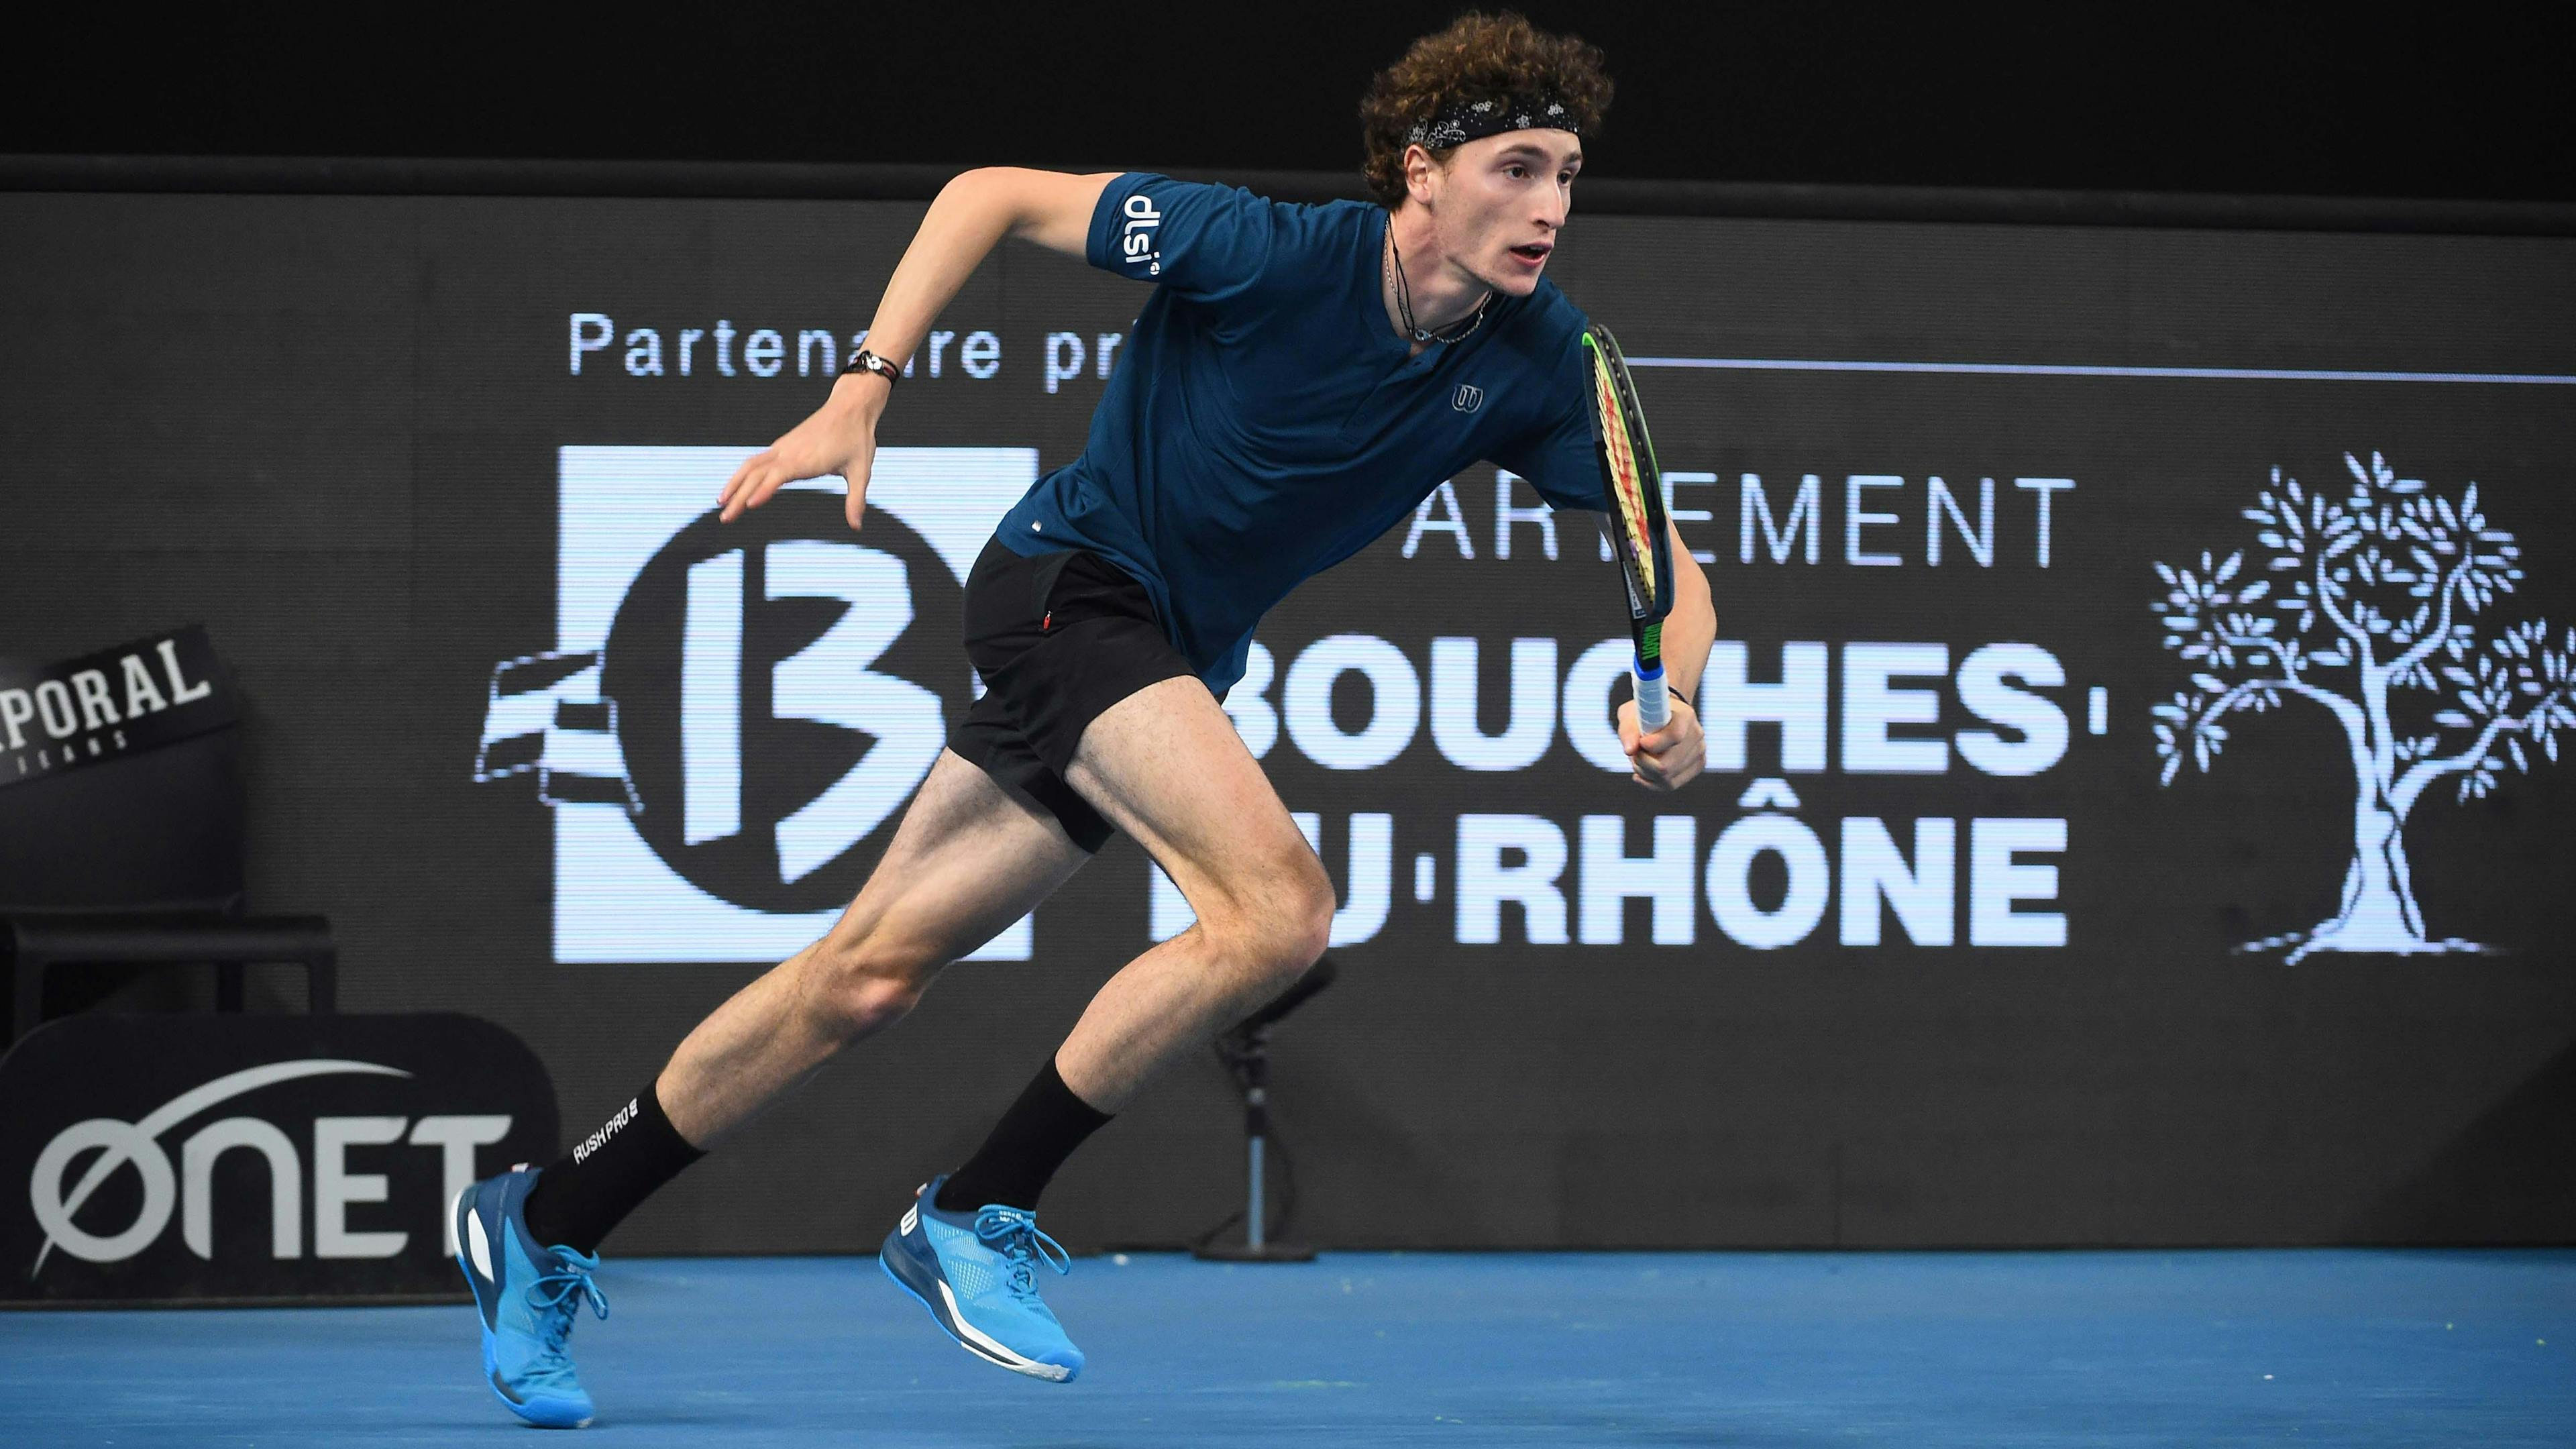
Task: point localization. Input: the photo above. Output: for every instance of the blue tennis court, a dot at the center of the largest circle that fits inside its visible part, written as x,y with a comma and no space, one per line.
2209,1347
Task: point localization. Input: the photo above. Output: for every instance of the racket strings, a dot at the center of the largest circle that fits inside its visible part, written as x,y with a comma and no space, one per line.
1630,499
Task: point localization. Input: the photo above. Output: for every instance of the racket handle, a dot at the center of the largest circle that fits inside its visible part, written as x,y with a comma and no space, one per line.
1654,708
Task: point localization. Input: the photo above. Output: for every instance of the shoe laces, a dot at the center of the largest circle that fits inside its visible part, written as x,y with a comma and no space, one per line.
558,1295
1013,1232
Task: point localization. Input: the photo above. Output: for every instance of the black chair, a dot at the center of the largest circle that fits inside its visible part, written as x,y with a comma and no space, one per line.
137,863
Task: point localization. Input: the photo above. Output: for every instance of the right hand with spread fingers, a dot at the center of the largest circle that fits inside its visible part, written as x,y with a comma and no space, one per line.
840,438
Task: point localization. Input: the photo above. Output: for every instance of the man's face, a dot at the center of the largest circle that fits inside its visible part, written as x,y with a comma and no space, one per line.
1499,203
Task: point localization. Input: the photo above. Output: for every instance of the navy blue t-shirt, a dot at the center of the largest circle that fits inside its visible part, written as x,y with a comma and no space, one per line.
1264,423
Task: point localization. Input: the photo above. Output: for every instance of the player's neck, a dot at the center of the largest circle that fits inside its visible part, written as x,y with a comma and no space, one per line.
1441,295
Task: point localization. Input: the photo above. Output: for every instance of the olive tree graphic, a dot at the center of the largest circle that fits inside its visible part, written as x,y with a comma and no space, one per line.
2365,599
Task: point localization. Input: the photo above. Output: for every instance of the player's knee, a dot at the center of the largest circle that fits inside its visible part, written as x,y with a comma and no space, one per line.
1295,919
1312,917
870,983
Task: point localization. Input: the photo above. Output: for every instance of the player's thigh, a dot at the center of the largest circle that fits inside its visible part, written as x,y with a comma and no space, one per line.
967,860
1167,768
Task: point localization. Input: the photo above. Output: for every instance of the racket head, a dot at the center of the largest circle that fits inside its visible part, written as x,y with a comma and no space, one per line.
1631,481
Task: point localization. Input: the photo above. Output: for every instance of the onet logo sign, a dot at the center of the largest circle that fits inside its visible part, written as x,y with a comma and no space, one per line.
734,714
166,1158
56,1197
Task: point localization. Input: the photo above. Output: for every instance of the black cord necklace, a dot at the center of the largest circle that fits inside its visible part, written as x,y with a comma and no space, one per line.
1404,301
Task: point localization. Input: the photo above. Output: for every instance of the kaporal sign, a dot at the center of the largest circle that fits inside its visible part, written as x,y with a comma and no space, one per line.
154,691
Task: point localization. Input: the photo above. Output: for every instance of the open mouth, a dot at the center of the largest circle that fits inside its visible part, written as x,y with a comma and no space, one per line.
1533,252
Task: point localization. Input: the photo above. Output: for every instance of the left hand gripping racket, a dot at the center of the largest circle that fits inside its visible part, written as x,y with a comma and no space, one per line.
1634,521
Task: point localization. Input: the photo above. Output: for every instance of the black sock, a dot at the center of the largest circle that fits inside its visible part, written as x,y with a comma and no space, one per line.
607,1175
1030,1142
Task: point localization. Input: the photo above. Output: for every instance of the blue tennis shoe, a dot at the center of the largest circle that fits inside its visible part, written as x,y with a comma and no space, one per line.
529,1296
977,1274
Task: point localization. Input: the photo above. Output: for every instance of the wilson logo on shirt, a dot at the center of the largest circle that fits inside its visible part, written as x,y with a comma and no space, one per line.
1467,398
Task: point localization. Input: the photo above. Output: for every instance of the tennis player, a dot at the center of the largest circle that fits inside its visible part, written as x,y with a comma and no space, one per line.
1288,394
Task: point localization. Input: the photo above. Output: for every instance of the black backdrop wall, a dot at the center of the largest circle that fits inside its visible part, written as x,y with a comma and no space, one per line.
2458,102
1937,954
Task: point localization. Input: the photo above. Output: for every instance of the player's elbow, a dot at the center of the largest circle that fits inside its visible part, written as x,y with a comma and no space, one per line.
1692,599
1688,574
978,188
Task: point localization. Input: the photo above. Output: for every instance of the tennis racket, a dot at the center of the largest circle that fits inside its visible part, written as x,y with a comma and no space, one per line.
1634,521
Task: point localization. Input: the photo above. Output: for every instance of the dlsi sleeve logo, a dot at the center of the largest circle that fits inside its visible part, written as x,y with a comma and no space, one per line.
1138,242
734,715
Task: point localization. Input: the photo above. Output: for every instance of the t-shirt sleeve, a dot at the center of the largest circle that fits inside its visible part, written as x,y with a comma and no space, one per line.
1557,456
1205,242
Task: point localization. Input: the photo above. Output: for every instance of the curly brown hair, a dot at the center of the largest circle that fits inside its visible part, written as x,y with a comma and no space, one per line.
1478,57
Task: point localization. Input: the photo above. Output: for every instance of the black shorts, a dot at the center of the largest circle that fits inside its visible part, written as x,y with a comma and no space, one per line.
1058,639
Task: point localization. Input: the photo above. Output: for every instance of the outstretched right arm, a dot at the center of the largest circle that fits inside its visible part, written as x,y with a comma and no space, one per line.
972,215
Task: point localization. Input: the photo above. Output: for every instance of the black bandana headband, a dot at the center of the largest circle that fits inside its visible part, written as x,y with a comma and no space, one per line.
1460,122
